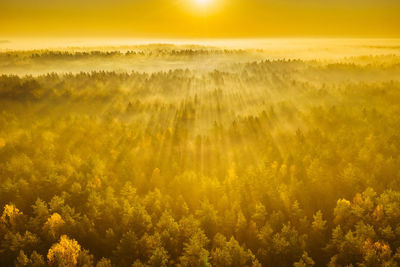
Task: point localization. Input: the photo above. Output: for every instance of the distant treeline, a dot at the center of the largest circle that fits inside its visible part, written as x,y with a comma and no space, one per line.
49,54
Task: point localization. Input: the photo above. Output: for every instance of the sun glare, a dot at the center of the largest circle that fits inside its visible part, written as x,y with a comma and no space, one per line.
204,7
202,2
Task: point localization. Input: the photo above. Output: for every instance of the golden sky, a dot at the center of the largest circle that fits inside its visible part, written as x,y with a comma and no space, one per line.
192,19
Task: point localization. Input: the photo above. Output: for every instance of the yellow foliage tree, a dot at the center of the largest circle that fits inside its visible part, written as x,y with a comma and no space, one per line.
53,224
10,215
64,253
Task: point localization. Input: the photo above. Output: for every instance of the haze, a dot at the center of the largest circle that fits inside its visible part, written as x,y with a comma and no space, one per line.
188,19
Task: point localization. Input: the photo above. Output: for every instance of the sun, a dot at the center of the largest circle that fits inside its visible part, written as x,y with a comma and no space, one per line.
203,8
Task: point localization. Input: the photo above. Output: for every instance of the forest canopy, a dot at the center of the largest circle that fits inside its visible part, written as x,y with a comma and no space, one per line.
258,162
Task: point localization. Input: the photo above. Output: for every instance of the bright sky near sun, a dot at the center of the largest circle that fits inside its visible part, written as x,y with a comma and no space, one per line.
200,18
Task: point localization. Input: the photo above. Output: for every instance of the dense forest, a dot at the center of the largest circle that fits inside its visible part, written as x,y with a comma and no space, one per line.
277,162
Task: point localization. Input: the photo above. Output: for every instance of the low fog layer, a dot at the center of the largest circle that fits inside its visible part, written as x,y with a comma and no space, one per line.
161,55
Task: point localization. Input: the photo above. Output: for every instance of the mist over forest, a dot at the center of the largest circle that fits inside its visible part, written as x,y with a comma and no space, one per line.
282,154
